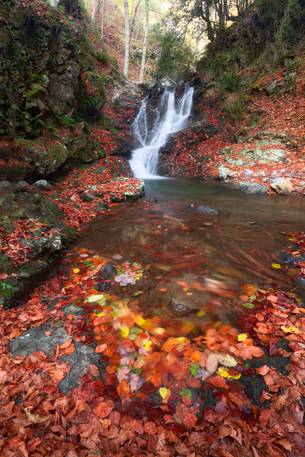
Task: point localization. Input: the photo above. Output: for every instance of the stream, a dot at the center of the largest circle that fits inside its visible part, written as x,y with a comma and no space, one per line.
196,260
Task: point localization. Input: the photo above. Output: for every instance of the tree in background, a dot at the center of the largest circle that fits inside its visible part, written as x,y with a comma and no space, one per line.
127,37
145,42
173,55
214,15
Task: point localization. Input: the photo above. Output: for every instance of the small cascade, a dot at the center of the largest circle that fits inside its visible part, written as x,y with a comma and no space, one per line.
171,116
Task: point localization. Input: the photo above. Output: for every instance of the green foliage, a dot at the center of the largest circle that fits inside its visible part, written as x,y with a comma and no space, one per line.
292,23
174,56
235,108
229,81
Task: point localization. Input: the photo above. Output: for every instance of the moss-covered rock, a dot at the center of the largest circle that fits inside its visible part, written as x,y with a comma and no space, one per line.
43,157
42,239
43,55
85,149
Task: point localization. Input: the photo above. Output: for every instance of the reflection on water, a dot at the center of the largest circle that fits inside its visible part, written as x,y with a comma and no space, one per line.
199,261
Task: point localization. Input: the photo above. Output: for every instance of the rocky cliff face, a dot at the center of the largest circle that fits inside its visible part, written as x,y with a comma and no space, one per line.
48,82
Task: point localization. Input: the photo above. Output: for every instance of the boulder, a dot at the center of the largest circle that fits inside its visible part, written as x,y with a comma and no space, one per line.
42,184
85,149
252,188
43,157
204,209
282,186
225,173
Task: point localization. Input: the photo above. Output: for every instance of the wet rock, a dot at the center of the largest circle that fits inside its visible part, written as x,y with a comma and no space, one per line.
79,361
51,244
225,173
252,188
254,387
285,258
35,340
73,309
282,186
107,272
103,286
87,196
42,184
204,209
102,207
181,309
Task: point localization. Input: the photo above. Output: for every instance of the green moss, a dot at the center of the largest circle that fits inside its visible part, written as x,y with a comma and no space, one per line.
5,263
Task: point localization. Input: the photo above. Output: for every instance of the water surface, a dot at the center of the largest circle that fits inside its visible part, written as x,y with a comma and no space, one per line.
197,260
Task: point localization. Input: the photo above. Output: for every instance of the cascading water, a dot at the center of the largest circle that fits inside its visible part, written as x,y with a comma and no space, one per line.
171,117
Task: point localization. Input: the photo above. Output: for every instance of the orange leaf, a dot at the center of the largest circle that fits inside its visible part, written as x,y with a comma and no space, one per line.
218,381
123,388
104,408
101,348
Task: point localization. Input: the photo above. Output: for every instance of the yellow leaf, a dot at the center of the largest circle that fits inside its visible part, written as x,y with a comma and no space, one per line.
291,329
147,345
124,331
200,313
224,373
276,265
242,337
164,393
139,320
95,298
76,270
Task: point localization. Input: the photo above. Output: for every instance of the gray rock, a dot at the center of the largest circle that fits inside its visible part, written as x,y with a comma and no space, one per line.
225,173
108,271
204,209
4,184
79,360
35,339
179,308
282,186
42,184
87,196
252,188
271,87
22,186
73,309
51,244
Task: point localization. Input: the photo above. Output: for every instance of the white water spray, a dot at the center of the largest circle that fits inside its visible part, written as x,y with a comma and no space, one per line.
171,117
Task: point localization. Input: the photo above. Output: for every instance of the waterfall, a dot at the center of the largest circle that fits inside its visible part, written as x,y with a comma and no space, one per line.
171,116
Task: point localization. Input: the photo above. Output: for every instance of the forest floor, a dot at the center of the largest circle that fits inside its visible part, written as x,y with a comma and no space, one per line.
84,372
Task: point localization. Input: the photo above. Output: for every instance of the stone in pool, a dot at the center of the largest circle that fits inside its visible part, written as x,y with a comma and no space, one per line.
36,340
204,209
79,362
107,272
181,309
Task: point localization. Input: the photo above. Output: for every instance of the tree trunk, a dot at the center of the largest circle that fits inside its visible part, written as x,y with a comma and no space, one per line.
145,41
103,19
127,36
94,11
132,28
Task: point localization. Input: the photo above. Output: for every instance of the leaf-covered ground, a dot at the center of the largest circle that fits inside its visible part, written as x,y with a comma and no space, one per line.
168,388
